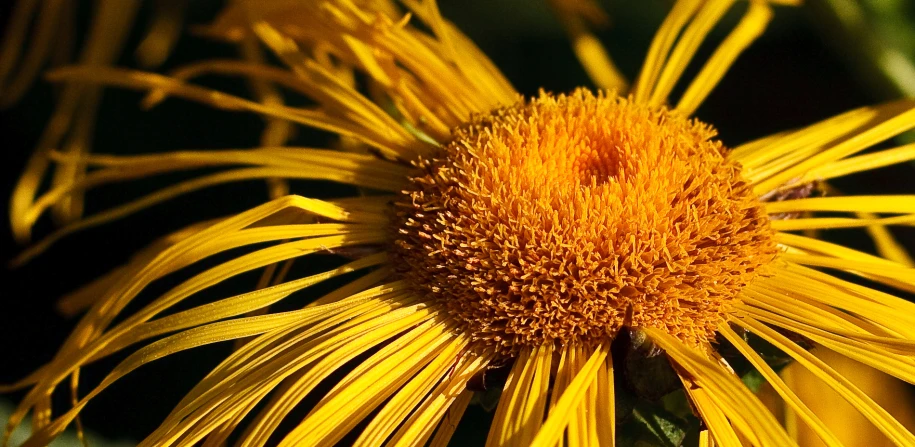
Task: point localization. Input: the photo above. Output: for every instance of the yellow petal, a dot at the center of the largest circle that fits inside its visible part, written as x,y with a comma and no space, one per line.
587,47
523,400
864,404
743,409
559,417
301,360
852,165
751,26
410,396
446,403
772,378
328,422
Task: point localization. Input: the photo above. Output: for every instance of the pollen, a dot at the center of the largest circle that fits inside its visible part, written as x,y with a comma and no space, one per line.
566,218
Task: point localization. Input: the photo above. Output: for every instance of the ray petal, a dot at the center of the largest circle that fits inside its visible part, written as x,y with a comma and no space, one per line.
327,423
446,404
524,392
571,398
772,378
574,17
852,165
747,414
751,26
873,412
885,122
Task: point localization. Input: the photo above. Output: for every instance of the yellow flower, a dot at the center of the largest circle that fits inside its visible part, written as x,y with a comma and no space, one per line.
848,424
494,230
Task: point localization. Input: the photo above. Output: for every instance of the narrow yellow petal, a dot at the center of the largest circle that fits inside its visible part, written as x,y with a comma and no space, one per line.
772,378
209,428
799,307
76,349
887,157
236,266
72,122
220,397
797,145
343,408
507,425
48,23
704,439
898,366
564,372
530,418
791,420
74,400
84,297
77,143
341,96
890,355
212,333
467,58
166,194
719,428
769,156
219,436
750,27
745,151
824,223
559,417
881,308
410,395
15,35
299,163
873,412
443,68
254,381
747,414
887,245
893,275
577,428
708,15
875,204
658,53
606,404
888,120
830,249
354,287
879,269
276,132
163,32
298,360
111,23
852,428
588,48
233,306
448,424
149,81
446,403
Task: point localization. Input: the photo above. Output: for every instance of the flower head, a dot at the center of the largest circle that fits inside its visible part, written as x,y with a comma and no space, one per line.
496,230
564,219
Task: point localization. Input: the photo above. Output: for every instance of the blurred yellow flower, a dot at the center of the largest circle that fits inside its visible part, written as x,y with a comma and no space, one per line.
850,426
495,230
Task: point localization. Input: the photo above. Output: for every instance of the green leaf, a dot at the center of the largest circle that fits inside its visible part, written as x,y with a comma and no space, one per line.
654,426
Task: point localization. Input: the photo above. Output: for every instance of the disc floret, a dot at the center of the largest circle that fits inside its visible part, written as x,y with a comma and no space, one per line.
565,218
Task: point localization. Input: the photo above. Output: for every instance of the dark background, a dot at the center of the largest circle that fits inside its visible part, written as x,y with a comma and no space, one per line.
789,78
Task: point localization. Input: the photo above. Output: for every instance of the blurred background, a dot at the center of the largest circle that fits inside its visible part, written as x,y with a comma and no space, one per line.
813,62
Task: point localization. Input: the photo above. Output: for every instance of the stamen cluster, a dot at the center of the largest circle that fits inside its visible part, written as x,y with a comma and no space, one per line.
566,218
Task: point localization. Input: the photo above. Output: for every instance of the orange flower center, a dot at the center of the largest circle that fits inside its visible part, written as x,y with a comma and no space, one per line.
567,218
